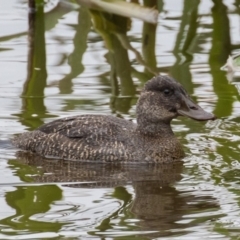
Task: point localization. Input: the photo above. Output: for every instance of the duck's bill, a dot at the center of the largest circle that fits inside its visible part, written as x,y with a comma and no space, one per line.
192,110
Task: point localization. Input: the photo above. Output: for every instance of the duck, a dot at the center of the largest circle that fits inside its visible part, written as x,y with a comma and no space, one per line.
110,139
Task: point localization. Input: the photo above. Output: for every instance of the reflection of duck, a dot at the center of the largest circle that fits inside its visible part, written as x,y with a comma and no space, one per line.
111,139
80,174
159,207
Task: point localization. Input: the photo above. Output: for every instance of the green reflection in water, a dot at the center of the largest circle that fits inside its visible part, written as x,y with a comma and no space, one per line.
33,89
149,40
75,58
113,30
184,43
23,171
33,93
122,194
221,49
29,201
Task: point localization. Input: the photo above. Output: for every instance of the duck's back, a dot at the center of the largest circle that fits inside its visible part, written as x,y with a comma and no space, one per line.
85,137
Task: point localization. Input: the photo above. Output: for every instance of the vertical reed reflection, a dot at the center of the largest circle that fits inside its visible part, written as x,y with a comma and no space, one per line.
33,90
113,29
80,45
221,49
149,41
120,73
185,37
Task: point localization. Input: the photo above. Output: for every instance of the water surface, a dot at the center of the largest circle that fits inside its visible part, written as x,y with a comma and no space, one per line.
61,64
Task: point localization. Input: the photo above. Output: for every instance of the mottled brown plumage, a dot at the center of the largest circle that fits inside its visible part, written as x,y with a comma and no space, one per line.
111,139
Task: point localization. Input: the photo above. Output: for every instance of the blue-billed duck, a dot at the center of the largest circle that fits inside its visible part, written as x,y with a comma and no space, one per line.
100,138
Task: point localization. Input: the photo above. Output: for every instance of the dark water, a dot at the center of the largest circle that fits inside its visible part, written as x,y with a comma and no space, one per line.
74,61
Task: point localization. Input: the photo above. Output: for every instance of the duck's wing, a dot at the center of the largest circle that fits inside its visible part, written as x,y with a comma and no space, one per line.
89,126
84,137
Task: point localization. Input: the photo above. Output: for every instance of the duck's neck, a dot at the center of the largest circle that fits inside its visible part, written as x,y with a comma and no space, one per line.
155,129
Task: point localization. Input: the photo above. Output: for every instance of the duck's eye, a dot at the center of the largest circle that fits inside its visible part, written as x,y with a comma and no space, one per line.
167,92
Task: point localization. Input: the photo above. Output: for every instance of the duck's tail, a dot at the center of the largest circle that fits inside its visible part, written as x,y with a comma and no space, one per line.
27,141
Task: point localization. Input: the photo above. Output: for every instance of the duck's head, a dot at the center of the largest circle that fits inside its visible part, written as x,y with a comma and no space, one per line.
163,99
